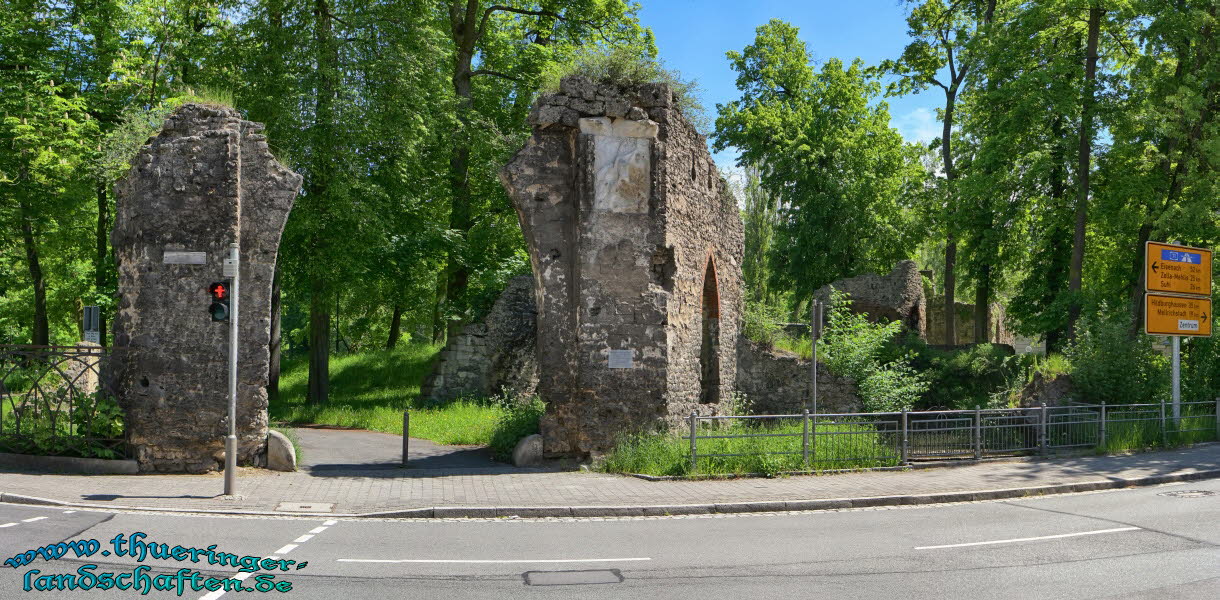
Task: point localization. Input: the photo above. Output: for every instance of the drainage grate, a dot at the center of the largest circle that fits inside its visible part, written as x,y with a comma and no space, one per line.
594,577
306,506
1188,494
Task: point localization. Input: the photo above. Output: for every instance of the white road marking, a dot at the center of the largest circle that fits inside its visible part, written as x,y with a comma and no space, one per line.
1030,539
7,525
472,561
304,538
244,575
329,523
317,530
68,512
32,519
286,549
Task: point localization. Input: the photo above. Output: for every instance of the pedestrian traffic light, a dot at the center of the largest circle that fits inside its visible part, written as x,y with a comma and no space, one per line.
220,301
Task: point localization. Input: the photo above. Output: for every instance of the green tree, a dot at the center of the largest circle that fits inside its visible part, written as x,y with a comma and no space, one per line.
829,158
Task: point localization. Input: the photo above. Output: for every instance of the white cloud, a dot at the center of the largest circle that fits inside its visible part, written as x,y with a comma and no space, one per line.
919,125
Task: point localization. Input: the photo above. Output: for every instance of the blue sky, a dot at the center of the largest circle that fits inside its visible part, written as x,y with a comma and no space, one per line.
693,36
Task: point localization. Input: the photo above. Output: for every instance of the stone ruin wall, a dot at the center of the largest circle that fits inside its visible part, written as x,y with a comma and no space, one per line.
207,178
622,207
494,356
897,296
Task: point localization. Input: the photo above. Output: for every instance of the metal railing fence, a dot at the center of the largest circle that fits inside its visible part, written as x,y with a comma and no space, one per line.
862,440
58,401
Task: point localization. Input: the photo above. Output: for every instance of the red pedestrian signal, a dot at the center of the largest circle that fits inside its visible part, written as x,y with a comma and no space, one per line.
219,308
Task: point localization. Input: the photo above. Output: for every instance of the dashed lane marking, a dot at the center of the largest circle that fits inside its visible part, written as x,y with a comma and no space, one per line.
32,519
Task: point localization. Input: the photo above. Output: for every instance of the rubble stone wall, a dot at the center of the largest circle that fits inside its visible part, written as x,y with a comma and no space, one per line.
897,296
623,210
778,383
493,356
205,180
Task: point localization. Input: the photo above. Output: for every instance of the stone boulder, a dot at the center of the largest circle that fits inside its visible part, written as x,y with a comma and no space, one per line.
897,296
528,451
281,455
494,355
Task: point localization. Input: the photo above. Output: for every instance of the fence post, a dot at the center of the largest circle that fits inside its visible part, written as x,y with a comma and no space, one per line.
406,434
904,450
694,450
1102,428
1042,443
978,433
805,439
1218,418
1164,434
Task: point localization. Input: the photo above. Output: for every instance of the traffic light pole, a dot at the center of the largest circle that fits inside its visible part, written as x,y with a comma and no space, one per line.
231,441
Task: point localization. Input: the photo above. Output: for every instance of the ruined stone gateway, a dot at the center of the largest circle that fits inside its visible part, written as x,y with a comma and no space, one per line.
206,181
636,249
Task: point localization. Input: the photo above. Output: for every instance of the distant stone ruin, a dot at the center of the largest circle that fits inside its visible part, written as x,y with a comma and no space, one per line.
206,181
636,250
897,296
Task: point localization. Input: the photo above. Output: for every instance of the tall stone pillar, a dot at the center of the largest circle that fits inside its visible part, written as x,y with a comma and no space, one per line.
636,250
206,181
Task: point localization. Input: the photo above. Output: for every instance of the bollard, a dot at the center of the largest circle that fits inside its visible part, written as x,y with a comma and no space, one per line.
805,440
406,434
694,450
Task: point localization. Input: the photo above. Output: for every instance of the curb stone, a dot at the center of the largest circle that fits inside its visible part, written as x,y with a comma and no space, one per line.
468,512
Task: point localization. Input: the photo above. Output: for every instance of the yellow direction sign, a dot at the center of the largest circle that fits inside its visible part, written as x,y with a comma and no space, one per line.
1177,315
1178,269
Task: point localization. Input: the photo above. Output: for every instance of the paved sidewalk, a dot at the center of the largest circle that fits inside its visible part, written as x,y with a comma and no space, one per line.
503,491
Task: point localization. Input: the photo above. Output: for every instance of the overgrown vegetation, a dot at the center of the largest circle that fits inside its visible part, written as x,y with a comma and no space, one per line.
844,447
628,66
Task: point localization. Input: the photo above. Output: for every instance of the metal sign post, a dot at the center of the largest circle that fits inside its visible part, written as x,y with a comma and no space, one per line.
1177,302
231,441
815,333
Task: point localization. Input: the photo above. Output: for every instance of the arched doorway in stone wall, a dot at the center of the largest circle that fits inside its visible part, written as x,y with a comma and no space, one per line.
709,348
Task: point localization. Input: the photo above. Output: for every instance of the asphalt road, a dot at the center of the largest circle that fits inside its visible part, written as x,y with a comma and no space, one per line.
1139,543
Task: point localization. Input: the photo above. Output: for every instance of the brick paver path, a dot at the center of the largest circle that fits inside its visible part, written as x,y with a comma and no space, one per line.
372,490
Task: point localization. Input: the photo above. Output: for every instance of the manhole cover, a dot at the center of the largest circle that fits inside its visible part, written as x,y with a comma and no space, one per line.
1188,494
306,506
573,577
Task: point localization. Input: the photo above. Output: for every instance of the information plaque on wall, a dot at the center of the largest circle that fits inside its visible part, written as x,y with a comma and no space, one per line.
621,359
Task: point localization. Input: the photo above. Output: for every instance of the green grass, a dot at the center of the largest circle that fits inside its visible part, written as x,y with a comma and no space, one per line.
370,390
839,446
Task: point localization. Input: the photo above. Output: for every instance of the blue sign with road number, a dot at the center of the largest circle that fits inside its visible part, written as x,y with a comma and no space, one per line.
1193,258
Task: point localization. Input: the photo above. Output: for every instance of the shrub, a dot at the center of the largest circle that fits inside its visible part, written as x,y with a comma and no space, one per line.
1107,365
519,419
855,347
760,324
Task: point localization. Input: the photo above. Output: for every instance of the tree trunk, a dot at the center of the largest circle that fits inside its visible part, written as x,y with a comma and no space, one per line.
319,347
101,264
464,29
982,306
1075,275
950,237
395,328
40,334
319,187
275,342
